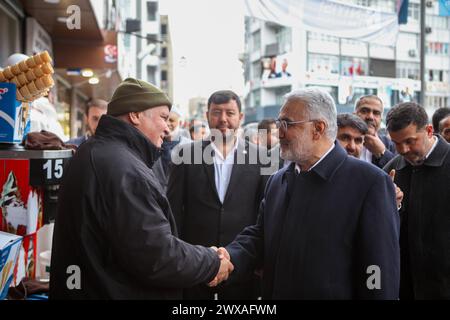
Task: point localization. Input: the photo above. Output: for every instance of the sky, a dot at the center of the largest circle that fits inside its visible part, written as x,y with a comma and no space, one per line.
207,37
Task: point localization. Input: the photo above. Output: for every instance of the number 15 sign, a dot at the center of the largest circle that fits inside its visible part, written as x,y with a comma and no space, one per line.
46,171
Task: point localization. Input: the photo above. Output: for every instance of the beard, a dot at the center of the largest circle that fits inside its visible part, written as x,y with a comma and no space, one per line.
299,150
416,160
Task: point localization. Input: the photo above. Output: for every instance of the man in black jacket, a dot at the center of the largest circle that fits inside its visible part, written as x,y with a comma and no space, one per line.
115,236
423,173
215,189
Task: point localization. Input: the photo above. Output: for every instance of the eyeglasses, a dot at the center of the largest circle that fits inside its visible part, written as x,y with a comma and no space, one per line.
283,124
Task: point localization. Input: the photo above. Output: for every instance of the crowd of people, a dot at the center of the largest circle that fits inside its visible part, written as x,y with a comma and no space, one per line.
148,210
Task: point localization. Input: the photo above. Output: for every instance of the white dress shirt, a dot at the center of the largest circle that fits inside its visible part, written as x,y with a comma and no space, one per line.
222,169
366,155
432,147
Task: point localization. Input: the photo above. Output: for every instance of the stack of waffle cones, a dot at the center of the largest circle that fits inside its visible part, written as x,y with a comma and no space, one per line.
32,76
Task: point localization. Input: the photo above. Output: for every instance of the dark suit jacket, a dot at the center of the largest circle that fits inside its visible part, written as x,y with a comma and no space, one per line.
425,224
77,141
201,217
318,233
388,154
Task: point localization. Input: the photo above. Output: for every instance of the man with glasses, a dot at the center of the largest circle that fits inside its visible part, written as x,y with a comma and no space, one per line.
328,223
378,149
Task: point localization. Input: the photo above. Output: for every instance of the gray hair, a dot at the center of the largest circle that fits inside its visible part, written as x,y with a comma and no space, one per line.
360,100
319,106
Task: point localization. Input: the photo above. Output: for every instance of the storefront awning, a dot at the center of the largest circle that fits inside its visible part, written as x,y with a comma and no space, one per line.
51,17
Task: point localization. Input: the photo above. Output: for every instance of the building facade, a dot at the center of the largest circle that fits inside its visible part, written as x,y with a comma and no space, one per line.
148,49
278,59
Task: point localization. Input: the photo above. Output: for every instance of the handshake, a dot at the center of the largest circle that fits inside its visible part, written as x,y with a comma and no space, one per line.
226,267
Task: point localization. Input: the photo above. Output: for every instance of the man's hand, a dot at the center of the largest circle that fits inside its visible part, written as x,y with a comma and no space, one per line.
373,143
226,267
398,191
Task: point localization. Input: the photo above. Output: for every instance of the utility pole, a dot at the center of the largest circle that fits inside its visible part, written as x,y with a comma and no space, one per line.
422,53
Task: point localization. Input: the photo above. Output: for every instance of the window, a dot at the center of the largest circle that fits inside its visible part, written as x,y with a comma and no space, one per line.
10,28
164,52
437,75
150,38
284,39
256,41
323,64
413,11
436,102
280,93
353,66
408,70
151,74
256,70
152,8
163,75
322,37
437,22
378,5
364,3
164,29
382,68
437,48
256,98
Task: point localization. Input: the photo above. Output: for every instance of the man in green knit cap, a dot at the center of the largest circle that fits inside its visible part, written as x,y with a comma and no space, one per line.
115,236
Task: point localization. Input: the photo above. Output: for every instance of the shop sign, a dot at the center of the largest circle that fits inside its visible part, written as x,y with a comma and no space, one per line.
110,53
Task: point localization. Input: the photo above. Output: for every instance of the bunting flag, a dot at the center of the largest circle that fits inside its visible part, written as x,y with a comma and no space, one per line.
402,11
329,17
444,8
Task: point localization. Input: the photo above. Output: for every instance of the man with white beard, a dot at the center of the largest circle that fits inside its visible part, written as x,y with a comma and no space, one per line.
328,226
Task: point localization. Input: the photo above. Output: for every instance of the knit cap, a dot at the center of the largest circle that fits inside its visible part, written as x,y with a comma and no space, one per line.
134,95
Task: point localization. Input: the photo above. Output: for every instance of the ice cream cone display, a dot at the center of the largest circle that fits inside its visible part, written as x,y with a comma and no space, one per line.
16,70
40,84
33,90
48,80
30,63
19,96
37,59
32,76
15,81
38,72
22,79
47,68
25,93
23,66
45,57
8,73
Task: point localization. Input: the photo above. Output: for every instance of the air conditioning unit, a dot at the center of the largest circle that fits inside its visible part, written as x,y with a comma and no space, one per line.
428,30
412,53
429,4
